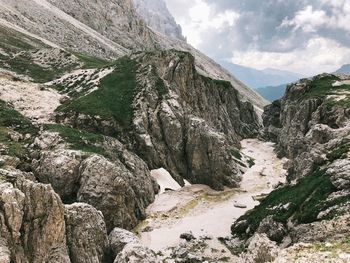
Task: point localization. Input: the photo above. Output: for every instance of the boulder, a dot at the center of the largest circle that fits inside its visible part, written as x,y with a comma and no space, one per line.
86,233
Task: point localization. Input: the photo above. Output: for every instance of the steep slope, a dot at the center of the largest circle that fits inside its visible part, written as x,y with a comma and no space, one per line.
106,30
158,17
169,114
311,125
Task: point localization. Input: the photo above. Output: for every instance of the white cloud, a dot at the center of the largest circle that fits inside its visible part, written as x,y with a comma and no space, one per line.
320,55
307,19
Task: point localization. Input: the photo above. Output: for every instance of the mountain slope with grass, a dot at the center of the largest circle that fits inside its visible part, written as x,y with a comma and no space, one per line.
311,126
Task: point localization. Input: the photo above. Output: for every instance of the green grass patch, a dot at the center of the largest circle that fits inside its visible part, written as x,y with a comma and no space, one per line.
306,199
321,87
113,99
92,62
11,120
78,139
237,154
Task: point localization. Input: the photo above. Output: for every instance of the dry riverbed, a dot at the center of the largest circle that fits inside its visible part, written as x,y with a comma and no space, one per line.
205,212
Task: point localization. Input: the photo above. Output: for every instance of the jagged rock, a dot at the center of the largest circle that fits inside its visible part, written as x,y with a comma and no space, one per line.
119,238
325,230
60,168
110,187
272,229
340,174
260,250
86,233
32,222
136,254
157,16
187,236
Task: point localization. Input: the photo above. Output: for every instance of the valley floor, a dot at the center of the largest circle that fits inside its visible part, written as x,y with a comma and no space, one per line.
198,210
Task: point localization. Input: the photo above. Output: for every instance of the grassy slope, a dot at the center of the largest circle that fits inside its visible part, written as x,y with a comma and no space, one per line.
11,120
321,87
113,99
305,200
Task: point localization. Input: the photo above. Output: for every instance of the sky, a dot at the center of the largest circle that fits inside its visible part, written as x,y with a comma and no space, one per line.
303,36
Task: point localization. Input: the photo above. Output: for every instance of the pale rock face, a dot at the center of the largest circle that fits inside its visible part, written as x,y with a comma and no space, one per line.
158,17
119,238
86,233
60,168
127,247
110,187
260,249
30,239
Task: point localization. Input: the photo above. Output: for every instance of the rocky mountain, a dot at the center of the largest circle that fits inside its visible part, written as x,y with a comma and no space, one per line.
106,30
272,93
311,127
345,69
91,101
261,78
158,17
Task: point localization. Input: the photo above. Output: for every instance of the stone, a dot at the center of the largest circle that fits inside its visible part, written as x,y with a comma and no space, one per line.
86,233
187,236
136,254
119,238
121,195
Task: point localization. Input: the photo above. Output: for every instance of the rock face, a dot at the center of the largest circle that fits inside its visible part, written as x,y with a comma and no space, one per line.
173,123
121,195
120,189
107,29
32,221
157,16
86,233
305,126
311,126
126,247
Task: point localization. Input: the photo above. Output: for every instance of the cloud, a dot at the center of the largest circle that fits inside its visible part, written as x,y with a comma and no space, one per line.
272,33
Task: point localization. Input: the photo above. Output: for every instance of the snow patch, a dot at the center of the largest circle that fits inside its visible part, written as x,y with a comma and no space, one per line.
164,180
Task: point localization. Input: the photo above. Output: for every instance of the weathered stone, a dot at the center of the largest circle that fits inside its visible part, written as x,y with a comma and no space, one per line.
122,196
86,234
119,238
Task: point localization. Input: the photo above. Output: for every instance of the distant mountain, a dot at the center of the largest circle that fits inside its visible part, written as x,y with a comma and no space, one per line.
345,69
272,93
158,17
261,78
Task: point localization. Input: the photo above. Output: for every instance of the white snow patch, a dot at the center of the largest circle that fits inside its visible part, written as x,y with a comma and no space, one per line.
164,180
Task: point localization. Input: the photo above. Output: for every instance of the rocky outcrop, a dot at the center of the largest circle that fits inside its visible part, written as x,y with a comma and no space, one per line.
86,234
157,16
31,220
121,195
311,126
307,123
181,120
126,247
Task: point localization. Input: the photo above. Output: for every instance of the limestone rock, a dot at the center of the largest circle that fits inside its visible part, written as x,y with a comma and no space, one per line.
275,231
340,174
260,250
119,194
60,168
119,238
86,233
32,222
136,254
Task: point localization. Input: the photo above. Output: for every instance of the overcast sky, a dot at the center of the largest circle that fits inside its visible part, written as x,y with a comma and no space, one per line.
305,36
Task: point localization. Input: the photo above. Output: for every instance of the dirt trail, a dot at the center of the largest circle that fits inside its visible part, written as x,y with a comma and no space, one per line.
205,212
